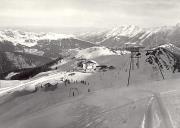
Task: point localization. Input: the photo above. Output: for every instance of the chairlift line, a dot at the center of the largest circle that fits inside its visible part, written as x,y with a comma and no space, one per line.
135,53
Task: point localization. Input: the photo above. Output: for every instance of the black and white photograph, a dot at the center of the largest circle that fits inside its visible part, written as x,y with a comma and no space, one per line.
89,63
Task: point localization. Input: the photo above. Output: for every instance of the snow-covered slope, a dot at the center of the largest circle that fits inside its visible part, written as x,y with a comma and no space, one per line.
153,104
94,52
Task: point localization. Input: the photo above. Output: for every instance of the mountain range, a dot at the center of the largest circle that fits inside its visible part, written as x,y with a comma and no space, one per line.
54,44
134,35
15,45
50,45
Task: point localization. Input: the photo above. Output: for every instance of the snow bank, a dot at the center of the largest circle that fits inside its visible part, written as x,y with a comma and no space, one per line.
30,88
9,83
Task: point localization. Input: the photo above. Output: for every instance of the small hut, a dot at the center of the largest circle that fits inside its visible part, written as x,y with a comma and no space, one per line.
87,65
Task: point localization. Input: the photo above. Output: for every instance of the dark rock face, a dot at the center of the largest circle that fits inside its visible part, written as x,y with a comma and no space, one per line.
10,61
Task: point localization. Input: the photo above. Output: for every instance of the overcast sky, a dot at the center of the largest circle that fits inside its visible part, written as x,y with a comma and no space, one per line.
88,13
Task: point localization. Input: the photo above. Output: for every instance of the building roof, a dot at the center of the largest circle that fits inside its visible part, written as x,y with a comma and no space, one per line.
91,61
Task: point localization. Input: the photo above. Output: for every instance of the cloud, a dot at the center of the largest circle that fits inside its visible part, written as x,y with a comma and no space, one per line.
82,13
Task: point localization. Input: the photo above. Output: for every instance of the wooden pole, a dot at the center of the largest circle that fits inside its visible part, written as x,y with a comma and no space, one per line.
138,63
132,60
129,70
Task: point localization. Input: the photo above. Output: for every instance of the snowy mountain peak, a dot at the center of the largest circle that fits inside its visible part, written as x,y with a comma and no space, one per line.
29,38
129,31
